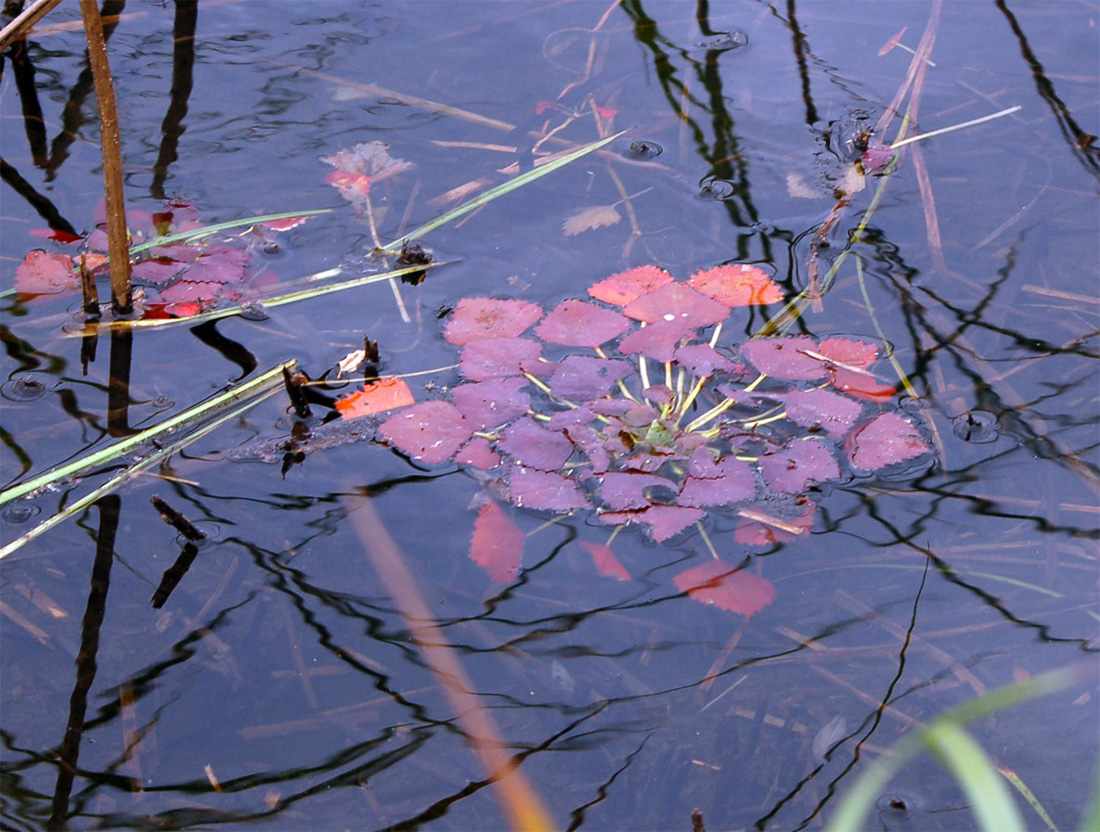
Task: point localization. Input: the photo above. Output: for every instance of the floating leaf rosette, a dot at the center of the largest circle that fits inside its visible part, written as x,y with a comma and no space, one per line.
628,405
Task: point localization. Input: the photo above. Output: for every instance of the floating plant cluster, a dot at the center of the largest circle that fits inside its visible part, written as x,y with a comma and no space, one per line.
626,404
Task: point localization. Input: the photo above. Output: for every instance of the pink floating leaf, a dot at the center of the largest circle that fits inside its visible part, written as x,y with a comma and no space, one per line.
739,285
582,377
605,560
543,490
621,491
677,302
625,287
703,360
732,481
157,270
876,157
657,341
849,352
885,440
371,159
430,431
285,224
801,464
353,187
487,358
489,404
663,521
823,409
577,323
497,544
726,587
187,290
534,446
478,453
218,264
45,273
784,357
475,318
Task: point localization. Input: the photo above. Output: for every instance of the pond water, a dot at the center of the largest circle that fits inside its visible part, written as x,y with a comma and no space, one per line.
293,678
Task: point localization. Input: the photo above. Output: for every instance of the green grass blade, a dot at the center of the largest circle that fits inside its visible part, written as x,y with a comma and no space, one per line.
857,803
1027,794
133,470
500,190
271,379
974,771
207,230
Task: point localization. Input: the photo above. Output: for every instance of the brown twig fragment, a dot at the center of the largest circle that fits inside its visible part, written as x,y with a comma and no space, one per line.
177,521
118,239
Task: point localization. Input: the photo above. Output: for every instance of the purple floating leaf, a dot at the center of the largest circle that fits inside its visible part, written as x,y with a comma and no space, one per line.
733,482
489,404
677,302
543,490
657,341
663,521
570,418
476,318
785,358
592,445
487,358
703,360
832,412
430,431
219,264
885,440
479,454
577,323
658,394
534,446
611,407
582,377
158,270
621,491
801,464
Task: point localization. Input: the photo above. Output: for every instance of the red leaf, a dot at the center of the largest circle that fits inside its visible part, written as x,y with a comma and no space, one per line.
577,323
376,397
727,587
887,439
45,273
543,490
430,431
802,463
625,287
353,187
607,112
861,385
56,234
285,225
497,544
605,560
542,106
475,318
784,357
740,285
488,358
182,309
677,302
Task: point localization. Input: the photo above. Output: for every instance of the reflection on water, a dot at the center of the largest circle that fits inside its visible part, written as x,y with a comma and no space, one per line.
268,676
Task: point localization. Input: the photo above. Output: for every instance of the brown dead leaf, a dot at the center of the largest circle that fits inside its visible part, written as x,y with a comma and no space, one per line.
586,219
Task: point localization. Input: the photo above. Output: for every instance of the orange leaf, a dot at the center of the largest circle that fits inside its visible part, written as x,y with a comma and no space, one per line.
738,285
497,544
605,560
727,587
626,287
376,397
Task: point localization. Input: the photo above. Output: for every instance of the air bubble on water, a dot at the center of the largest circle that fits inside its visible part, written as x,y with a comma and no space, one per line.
23,388
16,513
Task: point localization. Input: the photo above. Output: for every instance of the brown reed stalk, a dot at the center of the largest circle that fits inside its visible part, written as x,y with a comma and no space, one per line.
118,239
